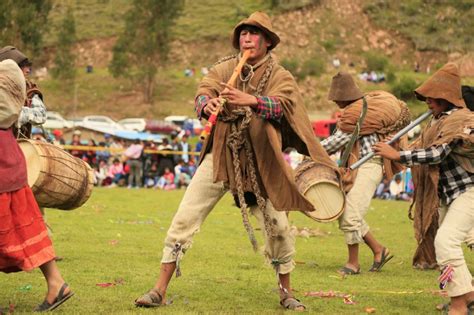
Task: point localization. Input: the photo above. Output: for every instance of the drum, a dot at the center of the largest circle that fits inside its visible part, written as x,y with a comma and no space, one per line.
57,179
320,185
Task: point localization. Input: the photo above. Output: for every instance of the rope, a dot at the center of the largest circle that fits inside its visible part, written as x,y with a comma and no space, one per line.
237,140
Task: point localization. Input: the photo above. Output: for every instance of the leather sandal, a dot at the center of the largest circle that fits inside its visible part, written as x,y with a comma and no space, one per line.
377,265
346,271
289,302
150,299
60,299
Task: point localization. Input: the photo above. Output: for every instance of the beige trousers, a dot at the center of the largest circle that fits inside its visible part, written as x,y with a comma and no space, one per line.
352,222
200,198
456,222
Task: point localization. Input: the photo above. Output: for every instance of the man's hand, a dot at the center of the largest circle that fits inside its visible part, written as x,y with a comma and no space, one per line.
237,97
211,106
386,151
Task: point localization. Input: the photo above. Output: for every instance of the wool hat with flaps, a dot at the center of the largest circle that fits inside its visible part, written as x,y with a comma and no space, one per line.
12,93
444,84
10,52
343,88
260,20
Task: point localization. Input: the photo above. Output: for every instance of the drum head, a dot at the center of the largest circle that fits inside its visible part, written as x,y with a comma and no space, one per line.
328,200
33,161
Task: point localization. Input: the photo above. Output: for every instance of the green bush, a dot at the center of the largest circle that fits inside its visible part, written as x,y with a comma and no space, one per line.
329,45
312,67
290,65
376,61
403,89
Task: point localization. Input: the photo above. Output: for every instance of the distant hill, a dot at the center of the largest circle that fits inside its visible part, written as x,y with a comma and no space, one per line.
313,32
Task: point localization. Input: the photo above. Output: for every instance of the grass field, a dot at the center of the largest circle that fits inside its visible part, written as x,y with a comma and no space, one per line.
117,237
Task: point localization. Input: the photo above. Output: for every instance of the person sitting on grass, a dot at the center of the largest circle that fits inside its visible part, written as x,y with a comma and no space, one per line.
116,172
166,182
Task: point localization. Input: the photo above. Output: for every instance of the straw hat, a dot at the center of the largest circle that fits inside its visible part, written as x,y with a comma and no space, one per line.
12,93
10,52
343,88
445,84
260,20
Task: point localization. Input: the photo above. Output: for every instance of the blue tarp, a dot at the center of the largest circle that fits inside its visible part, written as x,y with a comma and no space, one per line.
124,134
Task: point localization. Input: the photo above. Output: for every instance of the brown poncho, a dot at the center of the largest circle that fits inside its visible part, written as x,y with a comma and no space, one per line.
447,129
385,115
267,138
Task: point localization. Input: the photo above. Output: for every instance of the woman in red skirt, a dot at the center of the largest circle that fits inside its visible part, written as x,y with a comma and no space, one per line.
24,241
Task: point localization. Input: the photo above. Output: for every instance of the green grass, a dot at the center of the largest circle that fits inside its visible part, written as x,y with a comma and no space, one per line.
221,274
104,18
431,25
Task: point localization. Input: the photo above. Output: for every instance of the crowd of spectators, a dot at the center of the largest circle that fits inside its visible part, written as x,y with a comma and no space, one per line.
135,164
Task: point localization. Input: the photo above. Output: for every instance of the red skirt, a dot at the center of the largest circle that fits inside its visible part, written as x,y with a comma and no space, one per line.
24,240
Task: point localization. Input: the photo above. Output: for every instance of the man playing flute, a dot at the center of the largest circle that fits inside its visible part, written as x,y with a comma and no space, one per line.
263,114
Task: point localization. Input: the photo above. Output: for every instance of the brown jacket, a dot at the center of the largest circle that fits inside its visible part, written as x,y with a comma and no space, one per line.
446,129
267,138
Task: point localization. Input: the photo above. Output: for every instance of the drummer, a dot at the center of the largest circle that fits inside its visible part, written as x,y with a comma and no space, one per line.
24,241
361,185
34,110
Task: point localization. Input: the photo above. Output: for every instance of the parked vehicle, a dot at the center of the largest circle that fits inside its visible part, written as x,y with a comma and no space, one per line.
137,124
54,120
76,121
98,121
161,126
324,128
178,120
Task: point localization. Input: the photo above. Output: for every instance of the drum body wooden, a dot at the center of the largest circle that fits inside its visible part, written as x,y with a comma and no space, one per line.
57,179
320,185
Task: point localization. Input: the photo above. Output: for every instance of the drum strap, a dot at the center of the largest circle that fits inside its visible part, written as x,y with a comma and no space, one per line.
355,134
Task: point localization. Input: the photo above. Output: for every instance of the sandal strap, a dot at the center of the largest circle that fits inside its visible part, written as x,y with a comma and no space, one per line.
61,292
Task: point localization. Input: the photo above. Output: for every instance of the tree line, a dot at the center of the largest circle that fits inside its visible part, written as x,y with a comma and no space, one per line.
141,50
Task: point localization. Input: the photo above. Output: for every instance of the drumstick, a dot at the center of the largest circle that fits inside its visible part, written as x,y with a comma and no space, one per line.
213,118
397,136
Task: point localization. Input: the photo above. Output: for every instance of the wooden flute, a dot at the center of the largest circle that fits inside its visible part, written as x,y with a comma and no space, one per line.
213,118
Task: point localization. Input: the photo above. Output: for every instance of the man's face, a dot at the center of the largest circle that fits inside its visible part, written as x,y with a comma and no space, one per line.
252,38
26,71
436,106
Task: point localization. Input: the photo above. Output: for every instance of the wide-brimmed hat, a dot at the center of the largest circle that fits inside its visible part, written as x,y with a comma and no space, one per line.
343,88
260,20
444,84
10,52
